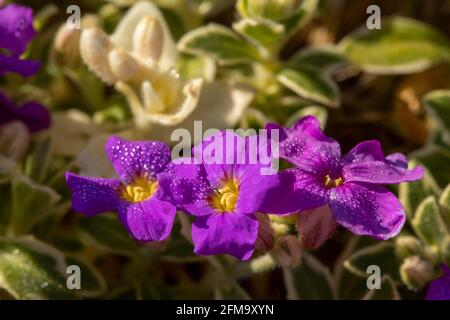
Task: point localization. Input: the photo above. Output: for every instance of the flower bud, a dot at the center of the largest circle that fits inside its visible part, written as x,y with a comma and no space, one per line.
316,226
14,139
266,235
65,46
123,65
416,272
276,10
148,39
95,47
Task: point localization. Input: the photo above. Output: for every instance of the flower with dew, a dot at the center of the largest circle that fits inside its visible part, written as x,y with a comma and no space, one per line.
439,289
138,59
17,124
223,194
16,31
136,195
351,186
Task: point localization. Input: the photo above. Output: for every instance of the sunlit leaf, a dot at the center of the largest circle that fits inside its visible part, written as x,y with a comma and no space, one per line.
264,32
30,269
219,43
311,84
428,223
402,45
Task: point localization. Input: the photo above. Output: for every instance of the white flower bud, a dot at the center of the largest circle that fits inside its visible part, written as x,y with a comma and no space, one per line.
148,39
123,65
95,47
14,139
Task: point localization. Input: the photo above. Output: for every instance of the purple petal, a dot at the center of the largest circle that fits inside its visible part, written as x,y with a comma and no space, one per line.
367,209
297,190
398,160
303,139
380,172
364,151
238,158
150,220
254,187
14,64
35,116
228,233
439,289
16,28
185,185
92,196
137,158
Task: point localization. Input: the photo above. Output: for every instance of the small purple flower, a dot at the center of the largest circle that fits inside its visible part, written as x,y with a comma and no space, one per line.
349,185
16,31
223,195
32,114
439,289
136,195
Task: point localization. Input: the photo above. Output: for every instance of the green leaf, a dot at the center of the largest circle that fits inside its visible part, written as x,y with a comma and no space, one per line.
190,67
444,200
438,104
30,203
388,291
436,159
309,83
313,280
220,43
30,269
411,194
402,45
428,223
263,32
106,232
301,17
381,254
92,282
325,59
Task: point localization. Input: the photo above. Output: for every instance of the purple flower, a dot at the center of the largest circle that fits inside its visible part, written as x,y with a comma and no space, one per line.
33,115
136,195
349,185
439,289
223,195
16,31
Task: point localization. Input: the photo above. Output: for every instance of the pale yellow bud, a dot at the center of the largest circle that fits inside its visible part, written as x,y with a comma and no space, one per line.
95,47
148,39
123,65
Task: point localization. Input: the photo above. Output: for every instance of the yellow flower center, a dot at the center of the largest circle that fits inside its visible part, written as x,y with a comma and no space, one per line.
332,183
139,190
225,198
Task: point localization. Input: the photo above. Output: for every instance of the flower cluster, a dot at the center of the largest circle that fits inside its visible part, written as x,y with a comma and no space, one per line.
224,194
